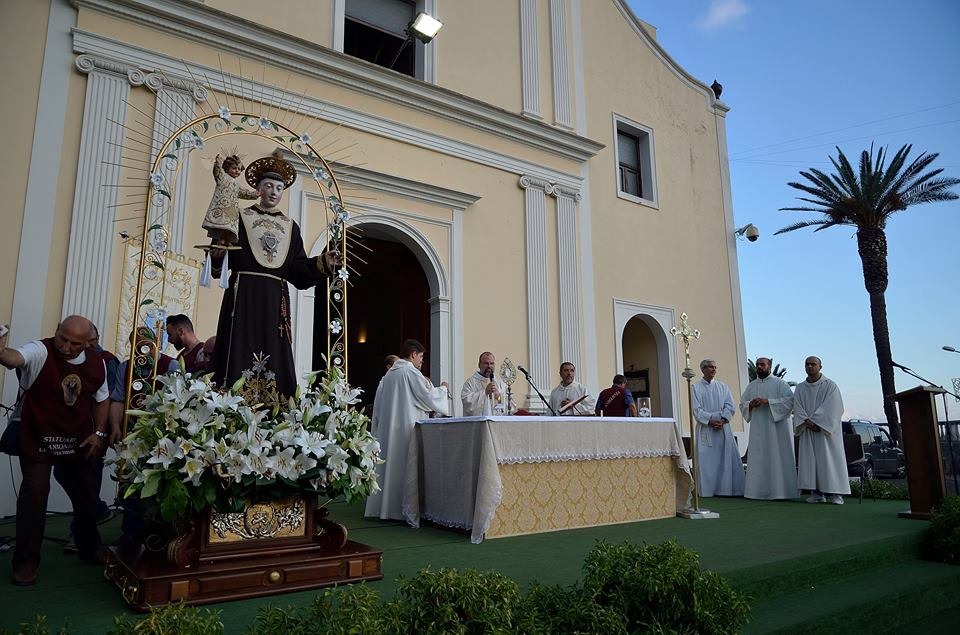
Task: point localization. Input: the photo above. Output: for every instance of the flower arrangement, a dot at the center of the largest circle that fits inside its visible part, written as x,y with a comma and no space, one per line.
192,447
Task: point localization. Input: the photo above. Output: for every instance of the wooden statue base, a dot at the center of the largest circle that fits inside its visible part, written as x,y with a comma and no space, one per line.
146,583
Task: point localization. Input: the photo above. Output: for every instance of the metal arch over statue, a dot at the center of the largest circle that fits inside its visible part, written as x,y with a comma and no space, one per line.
166,168
218,537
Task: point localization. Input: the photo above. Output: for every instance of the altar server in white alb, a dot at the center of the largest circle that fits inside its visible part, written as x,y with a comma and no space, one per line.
404,396
719,468
771,468
568,391
817,411
483,391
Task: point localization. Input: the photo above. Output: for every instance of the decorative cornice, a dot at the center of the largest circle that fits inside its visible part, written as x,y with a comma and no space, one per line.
137,77
394,185
229,33
92,43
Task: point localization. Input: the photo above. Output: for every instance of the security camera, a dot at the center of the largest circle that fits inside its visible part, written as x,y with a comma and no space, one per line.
750,231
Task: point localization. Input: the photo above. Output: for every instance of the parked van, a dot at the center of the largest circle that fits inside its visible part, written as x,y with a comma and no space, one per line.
882,455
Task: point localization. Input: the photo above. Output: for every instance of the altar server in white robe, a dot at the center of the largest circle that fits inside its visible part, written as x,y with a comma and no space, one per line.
771,467
719,468
568,391
817,411
404,396
483,390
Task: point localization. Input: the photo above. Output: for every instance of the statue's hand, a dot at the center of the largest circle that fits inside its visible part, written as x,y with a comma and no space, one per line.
333,259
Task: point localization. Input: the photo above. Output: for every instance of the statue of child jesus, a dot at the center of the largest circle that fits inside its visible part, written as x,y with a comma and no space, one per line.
223,214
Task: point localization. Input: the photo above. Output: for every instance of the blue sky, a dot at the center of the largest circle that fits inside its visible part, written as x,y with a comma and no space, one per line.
801,78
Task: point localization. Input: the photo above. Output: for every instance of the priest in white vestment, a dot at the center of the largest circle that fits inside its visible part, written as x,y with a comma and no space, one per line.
771,467
404,396
817,412
568,391
483,391
719,468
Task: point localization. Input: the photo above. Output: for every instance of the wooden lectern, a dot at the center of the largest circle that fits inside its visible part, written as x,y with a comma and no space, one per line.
921,448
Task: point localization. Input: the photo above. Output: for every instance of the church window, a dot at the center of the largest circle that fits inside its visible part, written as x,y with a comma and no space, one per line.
375,30
636,176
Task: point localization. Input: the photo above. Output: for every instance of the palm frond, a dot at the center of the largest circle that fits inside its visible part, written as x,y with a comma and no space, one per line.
867,196
801,225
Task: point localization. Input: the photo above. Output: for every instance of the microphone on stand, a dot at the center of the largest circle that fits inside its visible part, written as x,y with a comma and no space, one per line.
523,370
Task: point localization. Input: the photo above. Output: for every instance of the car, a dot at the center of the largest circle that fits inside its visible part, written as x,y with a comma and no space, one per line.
882,454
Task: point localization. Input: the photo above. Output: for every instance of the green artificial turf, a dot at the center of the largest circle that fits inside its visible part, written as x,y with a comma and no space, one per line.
770,550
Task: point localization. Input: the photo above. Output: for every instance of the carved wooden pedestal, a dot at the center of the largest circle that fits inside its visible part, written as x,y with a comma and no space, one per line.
267,549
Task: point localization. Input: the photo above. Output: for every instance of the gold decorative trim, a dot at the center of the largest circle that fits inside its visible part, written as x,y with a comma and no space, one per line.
274,519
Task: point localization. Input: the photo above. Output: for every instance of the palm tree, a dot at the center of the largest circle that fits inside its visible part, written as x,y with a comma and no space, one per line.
866,200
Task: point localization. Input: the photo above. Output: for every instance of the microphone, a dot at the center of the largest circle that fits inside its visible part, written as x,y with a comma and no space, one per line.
900,366
523,370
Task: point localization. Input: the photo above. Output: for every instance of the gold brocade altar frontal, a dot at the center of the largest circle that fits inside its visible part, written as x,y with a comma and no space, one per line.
273,519
503,476
540,497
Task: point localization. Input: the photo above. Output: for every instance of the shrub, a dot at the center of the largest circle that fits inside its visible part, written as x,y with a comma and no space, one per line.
173,618
884,490
448,601
661,588
554,609
37,627
943,538
337,611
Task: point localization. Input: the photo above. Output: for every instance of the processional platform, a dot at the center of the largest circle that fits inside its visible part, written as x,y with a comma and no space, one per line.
243,555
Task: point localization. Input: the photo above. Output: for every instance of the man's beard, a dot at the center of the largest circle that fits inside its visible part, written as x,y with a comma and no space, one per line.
762,374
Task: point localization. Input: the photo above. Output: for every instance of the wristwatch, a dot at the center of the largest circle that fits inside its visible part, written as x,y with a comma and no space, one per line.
100,433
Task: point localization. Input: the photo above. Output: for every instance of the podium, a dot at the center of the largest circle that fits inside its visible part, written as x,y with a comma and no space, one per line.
921,448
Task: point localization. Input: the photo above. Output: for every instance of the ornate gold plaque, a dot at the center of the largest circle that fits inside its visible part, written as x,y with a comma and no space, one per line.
274,519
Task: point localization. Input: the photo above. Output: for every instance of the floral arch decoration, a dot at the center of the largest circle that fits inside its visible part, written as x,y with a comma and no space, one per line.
164,171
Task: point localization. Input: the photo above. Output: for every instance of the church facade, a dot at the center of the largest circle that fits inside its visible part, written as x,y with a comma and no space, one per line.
540,180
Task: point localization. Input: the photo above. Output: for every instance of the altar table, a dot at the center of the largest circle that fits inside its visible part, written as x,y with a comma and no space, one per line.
506,476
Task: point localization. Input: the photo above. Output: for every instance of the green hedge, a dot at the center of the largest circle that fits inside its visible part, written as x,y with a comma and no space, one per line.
885,490
626,588
942,540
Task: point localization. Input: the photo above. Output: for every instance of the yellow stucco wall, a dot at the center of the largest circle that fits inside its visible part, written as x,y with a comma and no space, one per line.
662,257
22,38
673,256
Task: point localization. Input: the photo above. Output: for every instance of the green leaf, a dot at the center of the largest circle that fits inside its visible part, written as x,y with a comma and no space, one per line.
238,128
151,484
146,302
157,264
153,227
206,126
173,502
177,143
164,193
170,155
243,119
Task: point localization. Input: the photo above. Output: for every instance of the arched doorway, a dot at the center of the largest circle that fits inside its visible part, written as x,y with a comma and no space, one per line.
388,302
646,346
641,364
